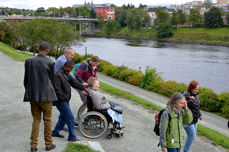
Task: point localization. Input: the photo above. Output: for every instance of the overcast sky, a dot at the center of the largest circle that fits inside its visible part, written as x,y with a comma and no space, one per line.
34,4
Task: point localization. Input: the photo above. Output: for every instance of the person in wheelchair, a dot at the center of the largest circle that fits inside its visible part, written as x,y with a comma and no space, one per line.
100,103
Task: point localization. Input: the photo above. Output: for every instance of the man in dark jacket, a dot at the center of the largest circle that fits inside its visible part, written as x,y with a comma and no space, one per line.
40,93
62,84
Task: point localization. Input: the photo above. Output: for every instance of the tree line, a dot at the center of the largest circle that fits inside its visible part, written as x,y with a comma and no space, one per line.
28,34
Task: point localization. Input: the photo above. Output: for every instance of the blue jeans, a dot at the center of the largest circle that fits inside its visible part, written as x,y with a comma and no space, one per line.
65,117
191,134
173,149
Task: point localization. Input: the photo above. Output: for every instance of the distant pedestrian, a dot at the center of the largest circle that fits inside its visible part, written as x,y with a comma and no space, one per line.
193,102
171,124
228,124
62,84
40,93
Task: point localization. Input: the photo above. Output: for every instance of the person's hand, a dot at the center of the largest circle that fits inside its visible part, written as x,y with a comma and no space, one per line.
85,84
201,118
192,97
185,105
83,92
163,149
86,90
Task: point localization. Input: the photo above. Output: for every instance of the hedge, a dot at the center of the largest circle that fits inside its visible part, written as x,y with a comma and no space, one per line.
152,81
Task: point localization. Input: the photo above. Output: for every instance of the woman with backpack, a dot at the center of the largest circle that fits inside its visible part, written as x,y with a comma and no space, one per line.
193,103
174,116
87,69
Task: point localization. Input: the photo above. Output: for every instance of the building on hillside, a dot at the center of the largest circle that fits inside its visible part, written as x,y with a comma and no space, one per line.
152,13
222,1
105,10
203,10
197,4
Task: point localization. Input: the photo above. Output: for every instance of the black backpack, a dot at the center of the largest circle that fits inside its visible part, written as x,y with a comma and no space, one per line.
158,120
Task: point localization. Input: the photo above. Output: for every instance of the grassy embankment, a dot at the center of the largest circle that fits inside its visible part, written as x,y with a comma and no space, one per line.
9,51
217,138
214,36
71,147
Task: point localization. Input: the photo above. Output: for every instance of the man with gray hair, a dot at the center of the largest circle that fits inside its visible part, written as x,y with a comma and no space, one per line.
68,55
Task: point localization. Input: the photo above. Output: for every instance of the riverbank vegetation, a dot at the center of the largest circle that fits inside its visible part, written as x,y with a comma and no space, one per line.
27,35
177,27
216,137
152,81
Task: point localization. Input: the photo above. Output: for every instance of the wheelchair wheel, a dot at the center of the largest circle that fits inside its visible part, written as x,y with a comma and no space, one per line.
82,110
93,124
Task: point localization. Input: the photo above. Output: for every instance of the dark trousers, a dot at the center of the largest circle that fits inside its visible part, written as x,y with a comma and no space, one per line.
65,117
173,149
37,108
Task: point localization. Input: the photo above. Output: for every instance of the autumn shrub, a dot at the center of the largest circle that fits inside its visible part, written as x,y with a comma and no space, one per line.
223,100
135,78
77,58
170,87
150,80
209,101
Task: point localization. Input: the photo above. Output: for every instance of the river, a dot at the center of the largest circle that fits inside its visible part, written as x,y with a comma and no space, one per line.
180,62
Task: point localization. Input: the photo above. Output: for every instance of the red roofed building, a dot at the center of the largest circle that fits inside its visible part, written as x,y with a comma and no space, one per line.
107,12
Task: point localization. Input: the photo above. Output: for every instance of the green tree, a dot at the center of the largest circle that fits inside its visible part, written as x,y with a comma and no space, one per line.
173,19
208,4
101,21
145,17
92,14
162,26
194,17
7,33
162,16
141,6
213,18
164,30
40,11
59,34
72,12
120,16
111,27
181,19
133,19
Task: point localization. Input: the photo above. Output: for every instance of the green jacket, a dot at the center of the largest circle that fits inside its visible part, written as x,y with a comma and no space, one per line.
172,137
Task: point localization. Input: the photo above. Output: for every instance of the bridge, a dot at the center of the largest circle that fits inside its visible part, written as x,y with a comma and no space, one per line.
95,20
90,29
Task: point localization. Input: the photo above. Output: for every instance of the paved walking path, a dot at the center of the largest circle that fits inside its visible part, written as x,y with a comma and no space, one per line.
209,120
16,120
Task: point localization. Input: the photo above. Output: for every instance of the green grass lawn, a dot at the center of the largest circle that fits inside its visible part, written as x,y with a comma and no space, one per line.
211,31
72,147
11,52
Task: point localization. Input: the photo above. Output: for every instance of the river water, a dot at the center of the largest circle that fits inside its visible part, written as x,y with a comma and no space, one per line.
180,62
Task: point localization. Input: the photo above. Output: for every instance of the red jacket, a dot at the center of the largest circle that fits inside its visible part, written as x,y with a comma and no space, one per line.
83,76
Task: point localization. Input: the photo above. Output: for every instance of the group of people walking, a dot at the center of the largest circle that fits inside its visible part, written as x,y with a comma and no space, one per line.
183,111
47,83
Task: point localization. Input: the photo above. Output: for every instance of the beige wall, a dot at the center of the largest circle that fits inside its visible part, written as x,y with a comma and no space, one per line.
222,1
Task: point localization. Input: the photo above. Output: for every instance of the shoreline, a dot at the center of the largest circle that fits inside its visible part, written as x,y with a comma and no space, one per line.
160,40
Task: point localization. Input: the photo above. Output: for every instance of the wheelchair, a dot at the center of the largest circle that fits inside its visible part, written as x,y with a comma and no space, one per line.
94,123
